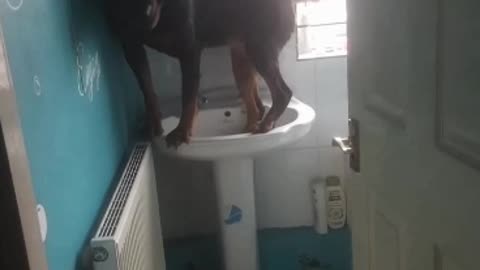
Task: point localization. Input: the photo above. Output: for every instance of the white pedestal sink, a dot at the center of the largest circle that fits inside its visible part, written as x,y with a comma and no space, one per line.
219,138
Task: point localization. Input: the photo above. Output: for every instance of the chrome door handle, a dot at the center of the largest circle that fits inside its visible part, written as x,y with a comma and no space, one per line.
343,143
350,145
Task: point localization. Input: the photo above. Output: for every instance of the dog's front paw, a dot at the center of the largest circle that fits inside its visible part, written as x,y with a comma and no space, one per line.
265,126
153,126
251,128
177,137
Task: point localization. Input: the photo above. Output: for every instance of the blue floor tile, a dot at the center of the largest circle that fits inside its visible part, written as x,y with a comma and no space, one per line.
279,249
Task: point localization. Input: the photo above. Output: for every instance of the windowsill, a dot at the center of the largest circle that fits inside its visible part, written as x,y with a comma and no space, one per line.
321,58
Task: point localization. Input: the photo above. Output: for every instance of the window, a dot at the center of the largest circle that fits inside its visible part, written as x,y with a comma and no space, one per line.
321,28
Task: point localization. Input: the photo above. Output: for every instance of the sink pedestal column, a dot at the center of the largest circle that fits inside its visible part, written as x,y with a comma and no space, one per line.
236,203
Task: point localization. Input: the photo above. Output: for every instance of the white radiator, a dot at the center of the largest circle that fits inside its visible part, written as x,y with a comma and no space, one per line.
130,235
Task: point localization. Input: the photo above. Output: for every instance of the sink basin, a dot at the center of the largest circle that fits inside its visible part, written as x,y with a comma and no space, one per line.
219,132
218,137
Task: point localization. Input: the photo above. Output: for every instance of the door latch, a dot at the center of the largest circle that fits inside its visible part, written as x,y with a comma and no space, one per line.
350,145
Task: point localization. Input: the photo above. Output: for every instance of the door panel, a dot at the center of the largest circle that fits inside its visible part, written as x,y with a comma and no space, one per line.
414,78
386,96
443,262
386,244
458,80
388,236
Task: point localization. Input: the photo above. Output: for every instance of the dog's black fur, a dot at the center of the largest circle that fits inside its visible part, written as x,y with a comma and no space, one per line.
183,28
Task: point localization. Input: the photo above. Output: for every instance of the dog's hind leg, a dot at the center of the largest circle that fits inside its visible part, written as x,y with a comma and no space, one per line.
260,106
264,55
246,80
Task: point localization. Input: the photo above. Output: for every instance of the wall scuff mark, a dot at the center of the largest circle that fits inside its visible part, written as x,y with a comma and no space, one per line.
14,4
88,72
37,87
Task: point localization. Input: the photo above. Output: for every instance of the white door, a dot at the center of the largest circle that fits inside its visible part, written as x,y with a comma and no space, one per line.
414,84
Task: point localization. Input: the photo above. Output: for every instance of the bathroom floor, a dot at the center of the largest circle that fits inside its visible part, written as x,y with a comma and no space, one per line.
280,249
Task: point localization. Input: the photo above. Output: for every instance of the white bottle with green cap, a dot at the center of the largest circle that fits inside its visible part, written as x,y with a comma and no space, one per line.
336,203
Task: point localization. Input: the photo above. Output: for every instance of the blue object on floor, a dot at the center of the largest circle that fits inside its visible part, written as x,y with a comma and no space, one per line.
234,216
280,249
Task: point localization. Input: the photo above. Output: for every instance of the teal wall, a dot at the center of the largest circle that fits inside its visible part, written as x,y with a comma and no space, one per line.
79,107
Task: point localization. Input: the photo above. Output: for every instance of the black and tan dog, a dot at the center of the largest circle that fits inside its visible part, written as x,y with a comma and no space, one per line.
255,30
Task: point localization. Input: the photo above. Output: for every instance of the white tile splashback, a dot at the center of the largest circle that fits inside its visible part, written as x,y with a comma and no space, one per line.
283,184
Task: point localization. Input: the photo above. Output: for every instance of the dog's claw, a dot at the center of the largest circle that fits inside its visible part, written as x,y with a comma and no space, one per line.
251,128
156,130
177,137
261,113
154,125
265,126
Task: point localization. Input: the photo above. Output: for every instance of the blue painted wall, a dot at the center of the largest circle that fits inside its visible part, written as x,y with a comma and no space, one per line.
79,108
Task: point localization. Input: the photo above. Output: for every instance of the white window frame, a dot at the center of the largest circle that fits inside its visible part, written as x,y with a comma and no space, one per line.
304,26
